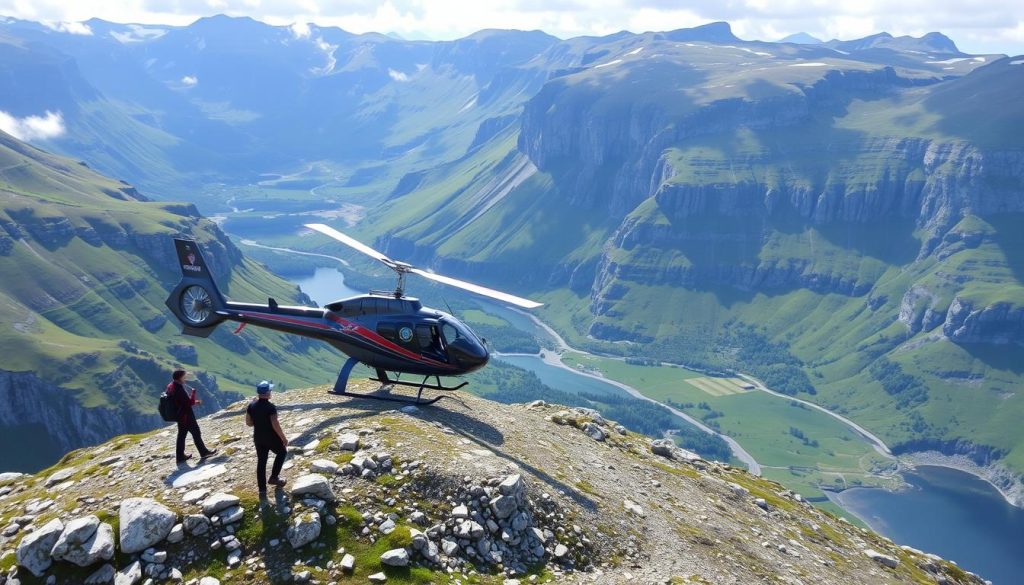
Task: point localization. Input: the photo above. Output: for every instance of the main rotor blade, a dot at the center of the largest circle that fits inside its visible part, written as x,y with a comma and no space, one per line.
480,290
331,232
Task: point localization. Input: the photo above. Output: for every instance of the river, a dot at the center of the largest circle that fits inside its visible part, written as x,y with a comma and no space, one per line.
950,513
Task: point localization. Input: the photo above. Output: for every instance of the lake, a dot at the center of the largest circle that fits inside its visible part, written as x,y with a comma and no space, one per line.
950,513
560,378
326,285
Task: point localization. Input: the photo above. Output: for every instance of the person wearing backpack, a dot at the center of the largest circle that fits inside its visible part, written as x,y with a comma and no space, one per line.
261,415
186,419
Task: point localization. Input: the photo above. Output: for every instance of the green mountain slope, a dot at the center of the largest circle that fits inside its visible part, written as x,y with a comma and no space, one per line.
86,264
840,229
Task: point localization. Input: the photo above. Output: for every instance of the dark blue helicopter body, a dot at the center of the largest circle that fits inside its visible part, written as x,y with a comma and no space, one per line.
388,332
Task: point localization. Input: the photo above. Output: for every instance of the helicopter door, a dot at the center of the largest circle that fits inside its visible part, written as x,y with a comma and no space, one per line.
429,339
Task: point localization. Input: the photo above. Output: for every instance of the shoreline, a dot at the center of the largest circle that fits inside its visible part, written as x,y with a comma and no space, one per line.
911,461
988,474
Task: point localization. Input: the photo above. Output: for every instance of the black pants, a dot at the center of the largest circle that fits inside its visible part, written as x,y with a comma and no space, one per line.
263,450
189,426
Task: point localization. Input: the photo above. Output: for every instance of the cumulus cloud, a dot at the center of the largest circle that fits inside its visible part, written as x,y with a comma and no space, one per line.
189,80
300,30
49,125
397,75
72,28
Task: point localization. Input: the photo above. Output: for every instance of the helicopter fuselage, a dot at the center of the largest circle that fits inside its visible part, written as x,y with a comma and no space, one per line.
385,332
380,331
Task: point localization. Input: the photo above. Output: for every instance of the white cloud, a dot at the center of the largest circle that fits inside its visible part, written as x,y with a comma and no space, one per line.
976,25
397,75
49,125
137,33
73,28
189,80
300,30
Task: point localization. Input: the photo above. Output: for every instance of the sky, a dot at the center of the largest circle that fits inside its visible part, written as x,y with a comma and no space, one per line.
990,26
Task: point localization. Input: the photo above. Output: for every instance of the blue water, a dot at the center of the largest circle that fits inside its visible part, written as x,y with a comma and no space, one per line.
564,380
952,514
326,285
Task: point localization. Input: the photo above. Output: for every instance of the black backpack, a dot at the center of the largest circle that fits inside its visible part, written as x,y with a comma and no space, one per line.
168,409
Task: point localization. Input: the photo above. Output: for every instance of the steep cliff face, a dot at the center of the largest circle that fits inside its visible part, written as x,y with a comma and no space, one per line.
70,425
999,323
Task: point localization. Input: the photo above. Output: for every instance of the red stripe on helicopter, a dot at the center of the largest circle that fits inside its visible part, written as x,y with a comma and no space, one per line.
375,338
270,317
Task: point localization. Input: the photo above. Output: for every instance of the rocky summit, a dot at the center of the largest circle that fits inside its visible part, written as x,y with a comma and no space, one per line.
465,491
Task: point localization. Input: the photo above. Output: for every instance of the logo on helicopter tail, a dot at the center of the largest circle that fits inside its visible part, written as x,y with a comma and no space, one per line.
190,258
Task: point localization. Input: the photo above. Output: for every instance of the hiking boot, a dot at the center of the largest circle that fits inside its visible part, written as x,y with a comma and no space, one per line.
279,482
209,453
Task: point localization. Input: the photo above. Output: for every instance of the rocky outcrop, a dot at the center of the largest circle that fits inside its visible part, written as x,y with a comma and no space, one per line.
918,310
999,323
499,507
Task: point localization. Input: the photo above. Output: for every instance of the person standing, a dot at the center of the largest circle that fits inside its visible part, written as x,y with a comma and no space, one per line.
187,423
267,435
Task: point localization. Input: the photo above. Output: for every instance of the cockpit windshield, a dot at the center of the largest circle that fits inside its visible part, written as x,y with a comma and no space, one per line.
450,332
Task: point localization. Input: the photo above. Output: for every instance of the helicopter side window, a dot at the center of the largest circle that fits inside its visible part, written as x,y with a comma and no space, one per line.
429,339
388,331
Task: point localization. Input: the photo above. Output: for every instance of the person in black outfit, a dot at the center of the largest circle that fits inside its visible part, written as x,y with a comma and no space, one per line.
267,435
187,422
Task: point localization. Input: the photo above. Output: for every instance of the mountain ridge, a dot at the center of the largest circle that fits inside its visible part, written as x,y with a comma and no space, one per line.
420,494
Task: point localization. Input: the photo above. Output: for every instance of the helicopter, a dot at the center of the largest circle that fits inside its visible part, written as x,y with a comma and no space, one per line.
386,330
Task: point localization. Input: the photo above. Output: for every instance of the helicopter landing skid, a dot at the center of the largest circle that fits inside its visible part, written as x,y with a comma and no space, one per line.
340,387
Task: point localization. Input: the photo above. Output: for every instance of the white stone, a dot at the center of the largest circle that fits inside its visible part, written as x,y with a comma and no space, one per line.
218,502
315,485
197,474
144,522
34,551
396,557
324,466
231,515
130,575
348,563
10,476
883,559
59,476
304,530
195,495
209,581
85,542
348,442
378,578
102,576
633,508
176,535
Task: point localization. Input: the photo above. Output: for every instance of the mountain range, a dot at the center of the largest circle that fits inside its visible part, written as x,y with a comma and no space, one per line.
837,219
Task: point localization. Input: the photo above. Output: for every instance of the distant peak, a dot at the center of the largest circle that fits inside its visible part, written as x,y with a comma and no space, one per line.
940,42
713,32
801,38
